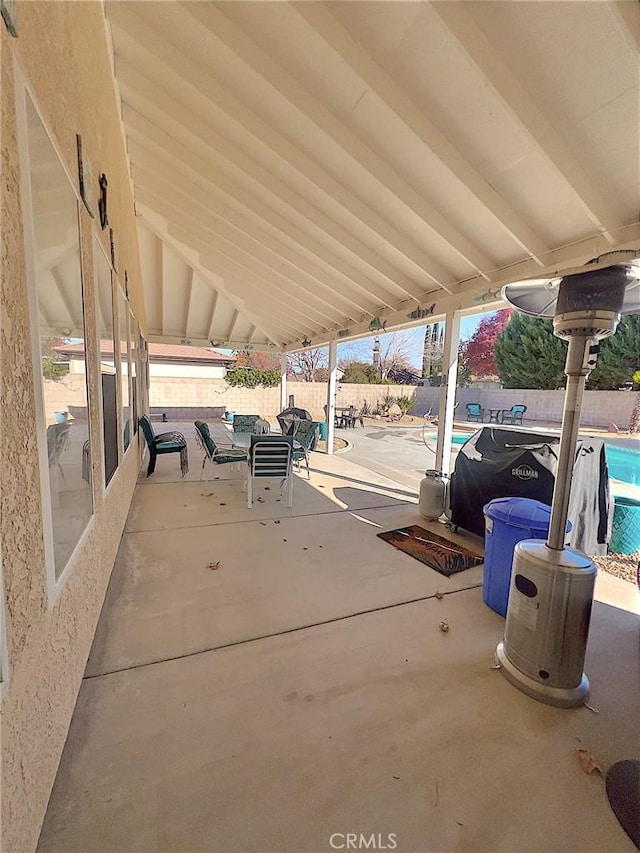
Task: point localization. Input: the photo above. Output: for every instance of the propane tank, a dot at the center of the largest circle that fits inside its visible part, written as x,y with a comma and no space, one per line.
432,489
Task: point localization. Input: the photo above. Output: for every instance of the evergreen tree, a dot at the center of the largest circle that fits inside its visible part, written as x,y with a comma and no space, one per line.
619,356
528,355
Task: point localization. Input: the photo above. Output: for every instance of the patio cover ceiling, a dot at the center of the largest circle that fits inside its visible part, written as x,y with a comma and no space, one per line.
301,168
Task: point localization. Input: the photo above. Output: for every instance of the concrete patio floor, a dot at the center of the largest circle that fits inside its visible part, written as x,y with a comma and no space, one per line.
303,690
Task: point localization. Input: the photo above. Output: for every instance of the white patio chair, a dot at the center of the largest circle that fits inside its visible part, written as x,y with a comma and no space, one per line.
270,457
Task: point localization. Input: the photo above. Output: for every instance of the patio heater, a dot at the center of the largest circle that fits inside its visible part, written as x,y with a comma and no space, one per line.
551,591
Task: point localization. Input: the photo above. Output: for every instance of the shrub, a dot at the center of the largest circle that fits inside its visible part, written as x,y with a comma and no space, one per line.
252,377
404,402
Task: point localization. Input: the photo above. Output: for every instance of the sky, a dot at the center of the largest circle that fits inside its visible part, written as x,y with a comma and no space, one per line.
468,325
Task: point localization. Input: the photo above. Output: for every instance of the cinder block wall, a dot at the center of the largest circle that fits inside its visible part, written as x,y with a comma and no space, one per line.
188,399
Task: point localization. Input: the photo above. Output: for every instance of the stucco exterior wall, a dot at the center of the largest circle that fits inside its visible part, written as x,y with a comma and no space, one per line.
62,51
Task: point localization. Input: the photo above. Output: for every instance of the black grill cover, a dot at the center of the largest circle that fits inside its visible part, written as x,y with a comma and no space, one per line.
500,463
288,419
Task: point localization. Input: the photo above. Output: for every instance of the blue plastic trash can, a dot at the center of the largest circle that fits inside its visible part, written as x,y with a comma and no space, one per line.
323,430
229,416
507,522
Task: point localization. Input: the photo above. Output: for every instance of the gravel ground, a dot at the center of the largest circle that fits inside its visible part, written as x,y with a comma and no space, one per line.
623,566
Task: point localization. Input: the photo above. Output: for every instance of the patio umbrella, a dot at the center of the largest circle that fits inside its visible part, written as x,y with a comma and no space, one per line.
291,417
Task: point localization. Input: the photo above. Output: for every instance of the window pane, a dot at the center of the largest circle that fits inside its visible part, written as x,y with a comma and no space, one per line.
104,315
133,337
58,281
123,326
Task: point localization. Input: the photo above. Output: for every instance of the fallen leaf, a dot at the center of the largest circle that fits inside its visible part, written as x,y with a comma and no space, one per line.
277,521
305,549
267,488
319,546
396,777
263,523
444,626
588,762
439,595
284,540
222,503
214,566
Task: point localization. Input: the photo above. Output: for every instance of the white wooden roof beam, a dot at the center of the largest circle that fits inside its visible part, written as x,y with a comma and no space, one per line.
221,28
212,314
480,299
312,260
334,34
159,269
188,320
233,324
530,117
187,204
158,226
149,42
201,240
235,274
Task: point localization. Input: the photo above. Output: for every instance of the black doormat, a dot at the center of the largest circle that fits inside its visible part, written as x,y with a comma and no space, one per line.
440,554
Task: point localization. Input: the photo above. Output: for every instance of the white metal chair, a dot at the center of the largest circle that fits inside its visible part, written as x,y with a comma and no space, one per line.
270,457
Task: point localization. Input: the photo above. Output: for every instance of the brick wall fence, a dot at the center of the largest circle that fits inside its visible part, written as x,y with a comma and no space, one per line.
187,399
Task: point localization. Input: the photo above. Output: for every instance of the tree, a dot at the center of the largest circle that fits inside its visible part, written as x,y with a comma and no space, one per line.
528,355
357,371
261,359
480,349
619,356
392,355
309,365
432,350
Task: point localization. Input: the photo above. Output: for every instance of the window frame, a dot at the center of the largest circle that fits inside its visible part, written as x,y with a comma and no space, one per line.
53,583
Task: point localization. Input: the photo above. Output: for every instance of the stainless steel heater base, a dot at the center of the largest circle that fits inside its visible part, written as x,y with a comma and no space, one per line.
560,697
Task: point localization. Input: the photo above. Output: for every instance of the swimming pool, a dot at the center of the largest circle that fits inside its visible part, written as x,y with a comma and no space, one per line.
623,462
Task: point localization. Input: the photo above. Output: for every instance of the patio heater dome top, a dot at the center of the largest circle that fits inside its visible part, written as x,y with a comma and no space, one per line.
586,300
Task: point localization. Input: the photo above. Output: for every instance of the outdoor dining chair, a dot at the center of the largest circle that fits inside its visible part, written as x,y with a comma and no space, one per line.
166,442
514,414
475,412
213,453
271,457
245,423
305,438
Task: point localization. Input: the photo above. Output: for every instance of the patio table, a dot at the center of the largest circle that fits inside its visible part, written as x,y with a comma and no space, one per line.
242,440
494,416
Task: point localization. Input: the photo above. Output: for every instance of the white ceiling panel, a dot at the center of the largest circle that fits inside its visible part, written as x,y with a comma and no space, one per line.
301,168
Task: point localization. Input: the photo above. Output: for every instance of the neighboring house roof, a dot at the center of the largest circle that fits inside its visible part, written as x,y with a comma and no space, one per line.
158,353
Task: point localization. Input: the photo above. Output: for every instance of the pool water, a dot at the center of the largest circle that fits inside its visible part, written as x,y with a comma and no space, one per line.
623,462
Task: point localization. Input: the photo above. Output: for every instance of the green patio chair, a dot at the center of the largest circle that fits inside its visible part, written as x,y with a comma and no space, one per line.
514,414
166,442
213,453
475,412
304,439
245,423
